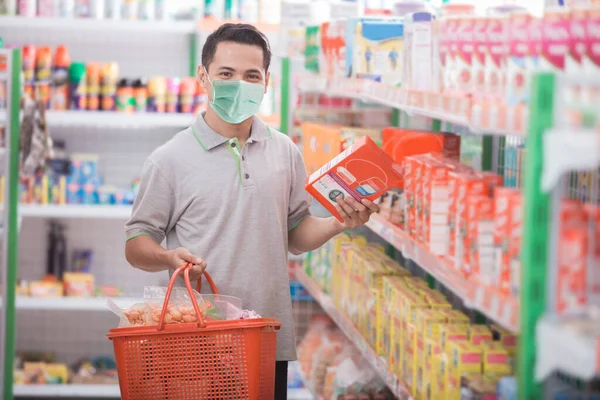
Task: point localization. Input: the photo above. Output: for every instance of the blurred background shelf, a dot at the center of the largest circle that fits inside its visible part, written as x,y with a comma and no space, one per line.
75,391
75,211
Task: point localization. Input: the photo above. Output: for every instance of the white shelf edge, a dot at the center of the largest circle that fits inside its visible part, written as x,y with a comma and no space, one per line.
91,24
111,119
75,211
39,391
69,303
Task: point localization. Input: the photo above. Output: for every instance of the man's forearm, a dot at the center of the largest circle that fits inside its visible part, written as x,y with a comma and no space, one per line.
312,233
144,253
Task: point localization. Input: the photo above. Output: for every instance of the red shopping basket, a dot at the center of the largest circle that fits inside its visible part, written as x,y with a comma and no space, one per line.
207,360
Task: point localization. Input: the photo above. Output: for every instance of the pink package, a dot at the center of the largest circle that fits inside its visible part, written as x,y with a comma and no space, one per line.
555,40
478,63
517,87
495,55
464,55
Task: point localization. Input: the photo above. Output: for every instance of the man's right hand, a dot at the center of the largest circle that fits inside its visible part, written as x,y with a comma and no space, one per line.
177,257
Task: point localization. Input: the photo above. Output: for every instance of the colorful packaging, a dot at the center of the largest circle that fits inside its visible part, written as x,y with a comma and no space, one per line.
571,293
577,42
462,358
502,225
435,206
77,95
312,48
186,95
480,238
495,56
496,359
478,62
125,96
361,171
43,74
479,334
78,284
409,360
94,78
46,289
453,333
517,87
172,95
108,90
455,317
379,45
140,95
59,97
451,32
463,61
514,246
507,339
555,40
467,185
591,57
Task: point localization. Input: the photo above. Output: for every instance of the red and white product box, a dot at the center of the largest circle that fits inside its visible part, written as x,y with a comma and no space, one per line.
450,33
452,195
465,47
502,225
517,88
478,63
480,239
514,246
435,206
591,57
495,58
418,170
574,60
593,276
411,167
439,51
555,40
466,186
571,293
491,180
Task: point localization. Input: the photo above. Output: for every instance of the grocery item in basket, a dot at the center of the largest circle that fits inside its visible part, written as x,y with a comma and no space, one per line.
249,314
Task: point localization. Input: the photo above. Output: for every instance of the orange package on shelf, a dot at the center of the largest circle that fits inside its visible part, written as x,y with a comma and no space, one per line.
321,143
363,171
412,171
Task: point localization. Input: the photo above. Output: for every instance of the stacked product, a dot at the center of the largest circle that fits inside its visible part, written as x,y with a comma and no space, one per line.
72,179
33,368
431,347
64,85
333,368
478,67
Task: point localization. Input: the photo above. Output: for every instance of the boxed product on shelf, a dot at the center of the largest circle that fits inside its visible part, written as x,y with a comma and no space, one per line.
362,171
504,199
496,359
378,50
461,358
479,334
79,284
417,51
46,289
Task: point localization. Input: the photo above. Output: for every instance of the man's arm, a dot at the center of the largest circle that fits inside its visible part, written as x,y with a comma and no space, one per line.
314,232
144,253
154,213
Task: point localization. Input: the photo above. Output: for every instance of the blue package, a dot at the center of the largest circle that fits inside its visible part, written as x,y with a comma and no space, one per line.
507,388
74,193
128,197
90,194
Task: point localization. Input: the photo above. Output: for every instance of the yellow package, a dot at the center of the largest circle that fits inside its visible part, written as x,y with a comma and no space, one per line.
435,299
417,283
429,322
496,359
426,371
409,359
420,356
56,373
437,377
479,334
455,317
46,289
453,333
464,357
507,338
78,284
388,304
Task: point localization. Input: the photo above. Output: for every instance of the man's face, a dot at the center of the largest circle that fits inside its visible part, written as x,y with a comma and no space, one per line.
235,61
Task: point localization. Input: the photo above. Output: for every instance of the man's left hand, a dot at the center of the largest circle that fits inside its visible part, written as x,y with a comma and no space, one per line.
355,214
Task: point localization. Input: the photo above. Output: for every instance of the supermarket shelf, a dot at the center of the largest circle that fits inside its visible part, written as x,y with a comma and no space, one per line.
211,24
354,335
565,347
569,150
69,303
89,24
40,391
502,309
74,211
424,104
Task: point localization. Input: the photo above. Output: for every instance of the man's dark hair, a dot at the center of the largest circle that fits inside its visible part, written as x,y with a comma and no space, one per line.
237,33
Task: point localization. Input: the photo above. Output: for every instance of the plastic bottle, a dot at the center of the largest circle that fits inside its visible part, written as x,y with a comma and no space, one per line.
93,75
43,75
125,96
200,98
108,89
160,10
77,79
187,90
59,97
172,95
130,9
146,10
29,69
27,8
140,95
157,94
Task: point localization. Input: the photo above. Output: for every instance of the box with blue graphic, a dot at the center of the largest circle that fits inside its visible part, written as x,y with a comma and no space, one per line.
378,47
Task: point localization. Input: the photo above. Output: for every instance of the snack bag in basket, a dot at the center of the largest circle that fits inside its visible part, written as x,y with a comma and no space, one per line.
132,314
180,309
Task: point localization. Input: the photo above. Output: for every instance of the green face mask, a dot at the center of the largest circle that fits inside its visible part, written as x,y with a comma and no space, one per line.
236,101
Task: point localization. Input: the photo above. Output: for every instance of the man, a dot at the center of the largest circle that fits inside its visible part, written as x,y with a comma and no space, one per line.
228,192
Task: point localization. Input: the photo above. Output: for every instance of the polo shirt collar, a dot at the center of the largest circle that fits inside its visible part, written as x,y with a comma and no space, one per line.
209,138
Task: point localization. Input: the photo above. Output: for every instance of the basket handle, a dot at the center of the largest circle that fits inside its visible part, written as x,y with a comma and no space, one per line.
210,282
186,277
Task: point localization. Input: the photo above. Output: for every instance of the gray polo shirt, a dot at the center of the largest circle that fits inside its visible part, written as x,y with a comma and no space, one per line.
231,206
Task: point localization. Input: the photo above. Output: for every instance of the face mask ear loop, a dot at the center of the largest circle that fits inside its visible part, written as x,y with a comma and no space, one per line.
211,84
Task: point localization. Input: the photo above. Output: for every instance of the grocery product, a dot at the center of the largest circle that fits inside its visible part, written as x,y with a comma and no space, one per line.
361,171
140,95
519,40
79,284
94,78
460,358
417,52
172,95
378,48
59,96
110,74
503,200
77,78
43,74
125,96
479,334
